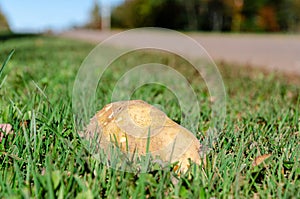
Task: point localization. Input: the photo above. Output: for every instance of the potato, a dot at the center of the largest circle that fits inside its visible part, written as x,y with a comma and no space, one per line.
134,125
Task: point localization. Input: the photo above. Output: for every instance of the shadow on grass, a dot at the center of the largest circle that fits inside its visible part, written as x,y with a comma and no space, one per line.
10,35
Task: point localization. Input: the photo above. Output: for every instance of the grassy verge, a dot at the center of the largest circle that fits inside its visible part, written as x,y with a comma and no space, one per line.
45,158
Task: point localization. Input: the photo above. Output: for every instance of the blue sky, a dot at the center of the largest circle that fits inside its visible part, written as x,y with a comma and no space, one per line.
39,15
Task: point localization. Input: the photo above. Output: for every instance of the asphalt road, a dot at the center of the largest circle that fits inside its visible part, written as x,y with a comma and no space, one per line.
275,52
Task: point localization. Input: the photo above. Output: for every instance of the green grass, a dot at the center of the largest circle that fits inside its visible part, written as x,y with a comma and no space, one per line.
44,157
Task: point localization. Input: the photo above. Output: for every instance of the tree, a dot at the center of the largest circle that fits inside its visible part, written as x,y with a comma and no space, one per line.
261,15
132,14
95,17
4,26
158,13
210,15
289,15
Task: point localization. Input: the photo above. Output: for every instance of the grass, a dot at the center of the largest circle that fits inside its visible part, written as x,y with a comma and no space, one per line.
44,157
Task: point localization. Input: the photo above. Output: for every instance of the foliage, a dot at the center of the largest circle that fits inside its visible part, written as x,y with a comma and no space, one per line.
216,15
139,13
4,26
95,17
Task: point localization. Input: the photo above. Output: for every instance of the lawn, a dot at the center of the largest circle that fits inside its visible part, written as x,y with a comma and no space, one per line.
44,156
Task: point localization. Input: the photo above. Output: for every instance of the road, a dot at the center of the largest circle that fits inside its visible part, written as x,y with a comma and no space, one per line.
274,52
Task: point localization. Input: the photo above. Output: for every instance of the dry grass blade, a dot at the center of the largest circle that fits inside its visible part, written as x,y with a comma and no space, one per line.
260,159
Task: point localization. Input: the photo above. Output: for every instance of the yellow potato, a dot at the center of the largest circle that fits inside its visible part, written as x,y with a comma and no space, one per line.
133,124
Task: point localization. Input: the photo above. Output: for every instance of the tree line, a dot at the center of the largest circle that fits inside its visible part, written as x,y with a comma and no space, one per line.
210,15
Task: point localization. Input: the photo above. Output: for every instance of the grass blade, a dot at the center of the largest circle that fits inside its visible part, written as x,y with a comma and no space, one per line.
6,61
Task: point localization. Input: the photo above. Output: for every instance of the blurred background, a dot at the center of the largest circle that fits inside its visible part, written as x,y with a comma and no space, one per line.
188,15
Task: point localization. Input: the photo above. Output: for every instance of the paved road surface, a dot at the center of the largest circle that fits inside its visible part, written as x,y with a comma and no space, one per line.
273,52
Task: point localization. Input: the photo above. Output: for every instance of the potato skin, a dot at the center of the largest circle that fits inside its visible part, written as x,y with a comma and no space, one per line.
130,123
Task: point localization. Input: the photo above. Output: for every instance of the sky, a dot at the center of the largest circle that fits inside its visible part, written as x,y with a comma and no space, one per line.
41,15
